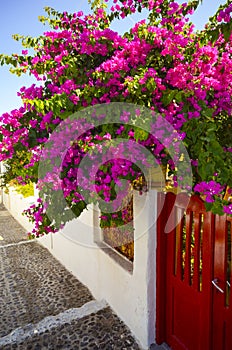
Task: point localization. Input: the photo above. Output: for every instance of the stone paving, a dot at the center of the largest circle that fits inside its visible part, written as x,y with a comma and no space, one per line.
10,230
35,285
43,306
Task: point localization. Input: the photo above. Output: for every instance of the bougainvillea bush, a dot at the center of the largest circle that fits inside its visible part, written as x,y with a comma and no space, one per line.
161,64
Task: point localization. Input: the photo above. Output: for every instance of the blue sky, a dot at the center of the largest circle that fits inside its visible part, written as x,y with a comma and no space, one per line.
21,17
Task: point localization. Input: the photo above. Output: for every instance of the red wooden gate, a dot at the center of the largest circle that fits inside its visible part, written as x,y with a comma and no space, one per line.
194,303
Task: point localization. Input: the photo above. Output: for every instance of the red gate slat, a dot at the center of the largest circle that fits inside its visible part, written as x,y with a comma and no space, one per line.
196,253
220,252
208,242
187,271
230,299
179,245
219,298
165,205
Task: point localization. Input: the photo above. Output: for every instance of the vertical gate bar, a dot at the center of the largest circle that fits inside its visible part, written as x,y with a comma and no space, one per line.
179,245
219,273
208,243
229,218
220,248
226,262
228,265
202,217
183,240
196,252
225,236
188,227
165,204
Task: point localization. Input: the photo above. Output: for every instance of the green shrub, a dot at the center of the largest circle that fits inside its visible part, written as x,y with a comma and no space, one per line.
25,190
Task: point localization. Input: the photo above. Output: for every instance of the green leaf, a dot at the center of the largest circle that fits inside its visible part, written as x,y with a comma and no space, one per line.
168,97
141,135
32,138
179,96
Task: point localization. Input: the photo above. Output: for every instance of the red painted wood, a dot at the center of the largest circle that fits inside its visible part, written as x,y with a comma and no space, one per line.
229,219
196,251
161,263
222,313
179,245
207,274
187,272
193,314
188,310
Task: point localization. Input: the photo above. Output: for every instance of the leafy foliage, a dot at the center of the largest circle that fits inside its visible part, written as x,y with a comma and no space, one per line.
161,64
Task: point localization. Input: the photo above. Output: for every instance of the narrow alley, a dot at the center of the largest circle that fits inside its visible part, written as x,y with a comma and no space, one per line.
43,306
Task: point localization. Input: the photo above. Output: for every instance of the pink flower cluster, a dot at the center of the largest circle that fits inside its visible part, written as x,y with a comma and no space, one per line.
224,15
161,65
209,190
38,213
228,209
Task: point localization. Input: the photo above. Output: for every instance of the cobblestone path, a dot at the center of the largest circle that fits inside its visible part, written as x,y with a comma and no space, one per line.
43,306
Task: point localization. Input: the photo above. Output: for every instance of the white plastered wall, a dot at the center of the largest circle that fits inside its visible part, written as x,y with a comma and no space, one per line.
16,204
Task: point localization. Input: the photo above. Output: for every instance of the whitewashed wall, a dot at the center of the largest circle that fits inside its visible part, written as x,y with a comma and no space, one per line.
131,294
16,204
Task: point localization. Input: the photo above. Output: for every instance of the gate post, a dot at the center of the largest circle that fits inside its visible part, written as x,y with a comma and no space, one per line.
165,204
